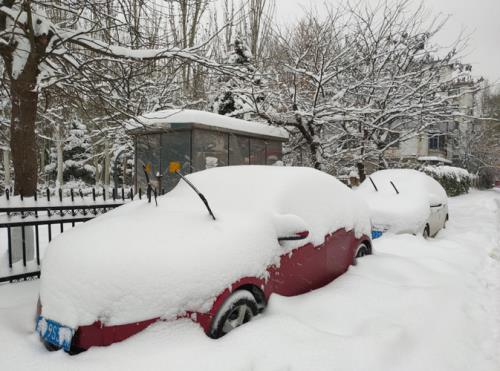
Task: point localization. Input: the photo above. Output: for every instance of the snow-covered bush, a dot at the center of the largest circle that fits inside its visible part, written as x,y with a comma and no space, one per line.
455,180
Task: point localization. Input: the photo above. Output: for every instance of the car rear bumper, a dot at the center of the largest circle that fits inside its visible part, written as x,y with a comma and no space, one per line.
85,336
98,334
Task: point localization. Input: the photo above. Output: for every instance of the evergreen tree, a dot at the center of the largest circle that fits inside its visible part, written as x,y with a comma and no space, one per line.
233,96
78,154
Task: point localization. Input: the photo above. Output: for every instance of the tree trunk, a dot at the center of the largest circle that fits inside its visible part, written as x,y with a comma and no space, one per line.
6,166
60,158
107,165
97,172
41,156
316,157
124,171
22,131
361,171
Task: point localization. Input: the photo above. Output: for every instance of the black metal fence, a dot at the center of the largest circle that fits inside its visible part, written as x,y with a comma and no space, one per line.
28,224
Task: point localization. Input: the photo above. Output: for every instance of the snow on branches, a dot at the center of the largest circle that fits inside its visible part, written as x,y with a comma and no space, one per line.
358,81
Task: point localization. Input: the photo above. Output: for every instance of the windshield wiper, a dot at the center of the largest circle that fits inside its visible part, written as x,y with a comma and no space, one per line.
393,186
373,183
197,192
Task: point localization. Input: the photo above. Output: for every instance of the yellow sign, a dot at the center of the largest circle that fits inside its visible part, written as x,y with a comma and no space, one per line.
148,167
173,166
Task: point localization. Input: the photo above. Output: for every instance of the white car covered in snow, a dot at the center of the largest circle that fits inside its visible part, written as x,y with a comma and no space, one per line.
404,201
281,230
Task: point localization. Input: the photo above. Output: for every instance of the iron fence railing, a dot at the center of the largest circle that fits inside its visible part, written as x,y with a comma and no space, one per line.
27,225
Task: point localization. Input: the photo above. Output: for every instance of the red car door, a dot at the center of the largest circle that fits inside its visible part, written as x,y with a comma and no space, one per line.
300,271
339,251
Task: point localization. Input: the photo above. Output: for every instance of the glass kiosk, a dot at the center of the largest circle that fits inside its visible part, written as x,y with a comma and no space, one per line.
189,141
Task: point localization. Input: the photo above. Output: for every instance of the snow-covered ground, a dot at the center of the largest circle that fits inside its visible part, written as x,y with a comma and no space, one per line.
414,305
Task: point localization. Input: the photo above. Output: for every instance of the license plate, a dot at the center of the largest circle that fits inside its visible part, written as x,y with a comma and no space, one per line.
376,234
54,333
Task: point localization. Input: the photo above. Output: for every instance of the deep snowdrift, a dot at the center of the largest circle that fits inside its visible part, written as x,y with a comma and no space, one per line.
415,305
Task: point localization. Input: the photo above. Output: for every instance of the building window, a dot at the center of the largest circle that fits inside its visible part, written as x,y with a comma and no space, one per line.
437,141
392,140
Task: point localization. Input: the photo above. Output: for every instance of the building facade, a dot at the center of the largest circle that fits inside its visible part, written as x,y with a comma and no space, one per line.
450,141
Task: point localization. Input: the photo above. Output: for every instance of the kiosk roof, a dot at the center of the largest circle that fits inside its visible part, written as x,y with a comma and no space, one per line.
167,120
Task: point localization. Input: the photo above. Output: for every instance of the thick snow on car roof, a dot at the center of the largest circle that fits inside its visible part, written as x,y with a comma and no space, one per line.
307,193
408,210
140,261
165,119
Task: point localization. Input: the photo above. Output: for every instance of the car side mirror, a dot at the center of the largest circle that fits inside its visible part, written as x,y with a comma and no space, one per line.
290,227
295,237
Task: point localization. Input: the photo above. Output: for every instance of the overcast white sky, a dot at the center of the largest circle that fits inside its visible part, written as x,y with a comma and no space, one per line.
481,18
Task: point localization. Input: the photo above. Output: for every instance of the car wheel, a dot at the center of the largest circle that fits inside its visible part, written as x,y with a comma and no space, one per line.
426,232
239,308
362,250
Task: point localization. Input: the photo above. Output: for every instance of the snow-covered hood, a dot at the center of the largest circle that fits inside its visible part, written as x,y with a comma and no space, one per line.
140,261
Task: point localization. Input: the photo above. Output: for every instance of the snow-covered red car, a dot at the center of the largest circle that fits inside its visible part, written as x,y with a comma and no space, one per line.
405,201
280,230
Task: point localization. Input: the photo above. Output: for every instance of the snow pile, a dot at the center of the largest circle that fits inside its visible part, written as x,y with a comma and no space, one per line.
415,305
165,119
140,261
408,211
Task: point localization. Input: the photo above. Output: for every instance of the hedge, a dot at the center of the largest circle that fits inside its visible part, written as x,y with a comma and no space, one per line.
455,180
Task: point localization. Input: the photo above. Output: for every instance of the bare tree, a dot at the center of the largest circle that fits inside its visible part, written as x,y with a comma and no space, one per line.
256,26
484,141
310,59
39,53
359,81
185,21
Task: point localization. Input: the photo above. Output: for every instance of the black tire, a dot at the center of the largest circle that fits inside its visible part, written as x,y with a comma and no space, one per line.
239,308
